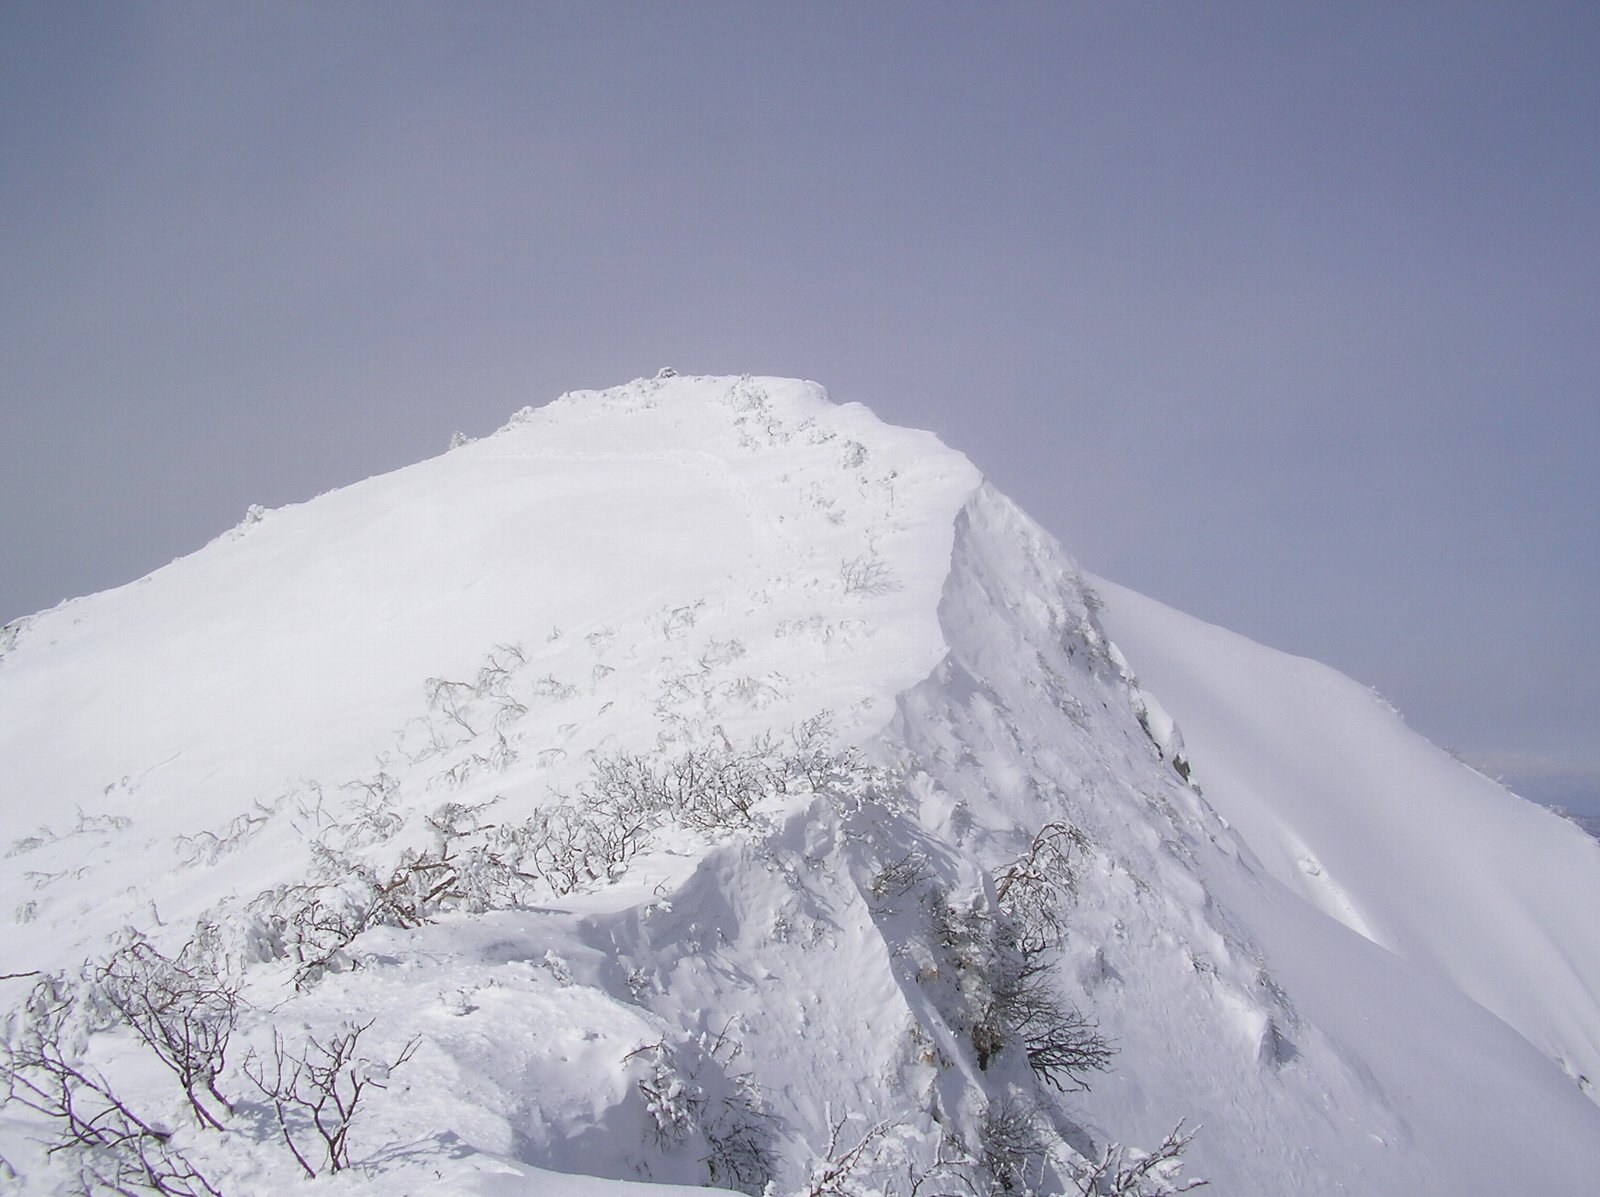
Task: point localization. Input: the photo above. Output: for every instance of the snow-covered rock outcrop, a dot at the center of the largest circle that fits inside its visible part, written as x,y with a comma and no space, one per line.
699,782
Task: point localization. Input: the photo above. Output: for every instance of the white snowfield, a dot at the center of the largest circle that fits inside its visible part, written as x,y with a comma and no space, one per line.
1373,825
701,783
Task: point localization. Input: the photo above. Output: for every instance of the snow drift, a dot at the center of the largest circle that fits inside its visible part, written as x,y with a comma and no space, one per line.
699,782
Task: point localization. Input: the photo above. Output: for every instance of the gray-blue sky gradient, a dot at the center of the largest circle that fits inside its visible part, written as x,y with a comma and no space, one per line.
1283,314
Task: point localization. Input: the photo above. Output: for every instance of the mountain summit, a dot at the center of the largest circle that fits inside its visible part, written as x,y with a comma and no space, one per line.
698,782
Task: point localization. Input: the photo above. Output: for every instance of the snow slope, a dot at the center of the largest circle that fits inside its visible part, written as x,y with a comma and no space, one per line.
1379,829
930,758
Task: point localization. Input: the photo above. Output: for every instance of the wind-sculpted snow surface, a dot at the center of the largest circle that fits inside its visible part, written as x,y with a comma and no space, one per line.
691,783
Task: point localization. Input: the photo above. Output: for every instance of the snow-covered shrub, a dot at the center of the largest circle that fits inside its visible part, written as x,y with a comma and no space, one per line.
1062,1045
451,700
208,847
846,1171
13,632
110,1147
737,1128
887,1160
309,923
707,788
459,712
1033,889
1125,1171
961,977
373,814
583,839
677,621
183,1009
590,837
693,1098
814,763
471,864
712,787
739,1136
673,1101
370,815
1011,1148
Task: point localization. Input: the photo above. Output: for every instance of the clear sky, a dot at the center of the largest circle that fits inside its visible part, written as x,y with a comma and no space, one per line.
1285,314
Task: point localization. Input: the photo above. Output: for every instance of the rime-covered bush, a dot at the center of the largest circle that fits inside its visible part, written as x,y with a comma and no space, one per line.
472,863
1123,1171
1033,890
1012,1149
184,1010
106,1144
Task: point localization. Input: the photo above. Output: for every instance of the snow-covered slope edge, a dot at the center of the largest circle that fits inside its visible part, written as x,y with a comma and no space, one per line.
1369,822
1318,1062
712,784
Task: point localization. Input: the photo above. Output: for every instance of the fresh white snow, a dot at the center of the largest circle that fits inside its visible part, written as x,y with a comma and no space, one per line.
1379,829
1360,966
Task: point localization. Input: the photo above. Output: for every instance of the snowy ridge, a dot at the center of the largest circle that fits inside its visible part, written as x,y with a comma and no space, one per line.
1229,996
699,782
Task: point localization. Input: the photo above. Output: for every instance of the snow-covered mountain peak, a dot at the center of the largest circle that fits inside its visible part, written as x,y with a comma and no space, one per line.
605,519
699,781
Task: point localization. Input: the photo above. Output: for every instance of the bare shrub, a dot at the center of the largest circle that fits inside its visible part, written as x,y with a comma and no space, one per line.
898,878
317,1091
1062,1045
868,574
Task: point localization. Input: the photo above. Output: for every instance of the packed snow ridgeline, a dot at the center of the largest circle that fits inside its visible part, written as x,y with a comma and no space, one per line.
694,783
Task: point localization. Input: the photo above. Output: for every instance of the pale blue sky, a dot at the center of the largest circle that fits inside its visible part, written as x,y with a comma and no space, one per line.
1284,314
